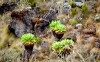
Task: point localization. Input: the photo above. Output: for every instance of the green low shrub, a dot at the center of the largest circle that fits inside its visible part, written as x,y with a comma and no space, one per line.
85,9
73,11
95,5
29,1
33,4
73,5
38,40
42,10
73,22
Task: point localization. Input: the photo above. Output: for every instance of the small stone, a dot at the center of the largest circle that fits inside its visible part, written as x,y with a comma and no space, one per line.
28,8
97,18
78,26
79,4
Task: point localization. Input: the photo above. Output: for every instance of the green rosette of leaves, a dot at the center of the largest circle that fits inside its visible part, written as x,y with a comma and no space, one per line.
28,38
60,28
68,42
59,47
57,26
54,24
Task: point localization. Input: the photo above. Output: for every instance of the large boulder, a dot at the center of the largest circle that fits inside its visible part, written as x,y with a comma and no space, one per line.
21,23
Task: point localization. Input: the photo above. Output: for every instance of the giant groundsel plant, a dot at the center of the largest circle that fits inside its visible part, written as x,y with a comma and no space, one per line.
59,47
28,38
57,26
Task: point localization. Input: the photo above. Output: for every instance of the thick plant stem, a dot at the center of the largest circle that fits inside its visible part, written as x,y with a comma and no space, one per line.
27,53
58,36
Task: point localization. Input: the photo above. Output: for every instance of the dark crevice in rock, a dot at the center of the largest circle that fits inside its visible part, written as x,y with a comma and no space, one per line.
7,7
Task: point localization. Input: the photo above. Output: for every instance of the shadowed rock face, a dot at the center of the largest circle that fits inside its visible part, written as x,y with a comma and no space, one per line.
27,22
7,7
45,20
51,15
21,23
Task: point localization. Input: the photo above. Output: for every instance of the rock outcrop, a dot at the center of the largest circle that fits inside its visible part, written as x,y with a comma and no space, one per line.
21,23
27,21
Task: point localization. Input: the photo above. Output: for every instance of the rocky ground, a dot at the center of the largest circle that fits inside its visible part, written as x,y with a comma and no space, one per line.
19,18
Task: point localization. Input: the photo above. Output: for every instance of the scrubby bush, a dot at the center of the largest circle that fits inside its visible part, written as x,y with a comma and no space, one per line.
73,5
33,4
59,47
85,9
42,10
95,5
29,1
83,15
57,26
73,11
38,40
73,22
